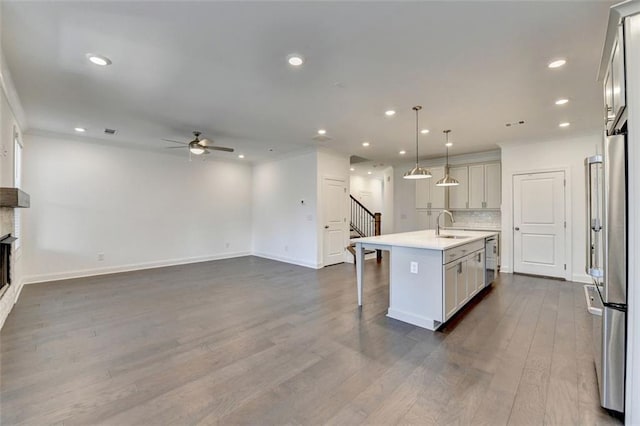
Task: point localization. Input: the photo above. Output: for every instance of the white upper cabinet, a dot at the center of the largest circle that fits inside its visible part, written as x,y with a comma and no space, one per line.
428,195
476,186
437,192
480,187
614,84
459,195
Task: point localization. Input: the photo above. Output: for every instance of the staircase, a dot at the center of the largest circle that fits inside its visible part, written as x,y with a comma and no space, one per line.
363,224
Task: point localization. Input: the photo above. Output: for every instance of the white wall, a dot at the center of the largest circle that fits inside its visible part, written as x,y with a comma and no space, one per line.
372,186
568,153
139,208
284,228
388,201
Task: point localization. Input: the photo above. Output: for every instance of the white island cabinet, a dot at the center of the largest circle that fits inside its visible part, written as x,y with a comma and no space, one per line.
431,277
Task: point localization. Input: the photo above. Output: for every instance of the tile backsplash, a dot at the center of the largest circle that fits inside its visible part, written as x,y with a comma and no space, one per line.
478,217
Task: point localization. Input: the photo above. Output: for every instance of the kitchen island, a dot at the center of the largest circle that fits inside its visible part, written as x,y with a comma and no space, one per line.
431,276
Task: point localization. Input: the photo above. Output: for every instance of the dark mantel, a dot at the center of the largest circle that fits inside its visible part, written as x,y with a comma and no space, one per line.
14,197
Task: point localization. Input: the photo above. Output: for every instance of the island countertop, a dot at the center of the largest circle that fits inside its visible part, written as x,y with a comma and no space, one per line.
426,239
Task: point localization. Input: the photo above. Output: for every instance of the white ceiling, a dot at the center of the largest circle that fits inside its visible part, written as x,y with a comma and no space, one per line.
221,68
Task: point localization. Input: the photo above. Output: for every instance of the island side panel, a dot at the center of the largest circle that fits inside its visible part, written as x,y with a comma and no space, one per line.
416,298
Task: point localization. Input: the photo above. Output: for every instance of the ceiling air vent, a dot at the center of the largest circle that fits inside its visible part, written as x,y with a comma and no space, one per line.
110,131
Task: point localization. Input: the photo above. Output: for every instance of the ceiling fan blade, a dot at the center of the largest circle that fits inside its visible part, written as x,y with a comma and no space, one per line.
181,143
219,148
174,147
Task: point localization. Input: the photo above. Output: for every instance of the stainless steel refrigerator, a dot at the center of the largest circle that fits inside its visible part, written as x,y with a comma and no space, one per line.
607,265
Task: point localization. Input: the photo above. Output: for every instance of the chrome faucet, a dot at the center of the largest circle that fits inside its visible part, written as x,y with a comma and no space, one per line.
438,220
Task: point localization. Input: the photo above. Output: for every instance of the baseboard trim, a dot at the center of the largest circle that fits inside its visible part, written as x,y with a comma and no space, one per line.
582,278
287,260
43,278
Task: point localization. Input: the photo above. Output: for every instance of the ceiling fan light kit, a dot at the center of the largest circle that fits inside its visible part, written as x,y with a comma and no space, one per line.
447,180
199,146
417,172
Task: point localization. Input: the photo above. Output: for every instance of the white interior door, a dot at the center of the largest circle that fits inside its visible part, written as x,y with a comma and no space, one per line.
335,220
366,198
539,224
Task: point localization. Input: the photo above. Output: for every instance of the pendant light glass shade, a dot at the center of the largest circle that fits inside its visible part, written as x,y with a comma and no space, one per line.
417,172
447,180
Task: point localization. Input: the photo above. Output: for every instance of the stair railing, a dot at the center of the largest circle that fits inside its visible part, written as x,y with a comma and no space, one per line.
365,223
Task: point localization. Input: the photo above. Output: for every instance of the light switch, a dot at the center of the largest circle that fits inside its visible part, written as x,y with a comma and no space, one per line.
414,267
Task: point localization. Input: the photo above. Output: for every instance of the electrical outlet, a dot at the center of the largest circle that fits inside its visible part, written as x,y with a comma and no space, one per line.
286,248
414,267
227,245
100,257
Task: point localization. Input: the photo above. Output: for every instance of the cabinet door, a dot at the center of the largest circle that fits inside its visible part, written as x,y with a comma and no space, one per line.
422,193
437,193
608,97
478,261
424,217
617,74
492,186
476,186
462,289
450,287
459,195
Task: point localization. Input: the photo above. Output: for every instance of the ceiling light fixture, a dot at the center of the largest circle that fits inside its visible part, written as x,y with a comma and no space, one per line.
241,156
565,124
295,60
417,172
424,131
352,169
195,147
557,63
390,113
365,144
80,129
562,101
101,61
403,152
369,173
446,179
322,132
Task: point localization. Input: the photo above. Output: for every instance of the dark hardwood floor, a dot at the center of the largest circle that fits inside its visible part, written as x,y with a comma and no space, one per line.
253,341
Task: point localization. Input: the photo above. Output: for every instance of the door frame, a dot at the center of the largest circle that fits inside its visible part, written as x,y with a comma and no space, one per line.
321,215
568,215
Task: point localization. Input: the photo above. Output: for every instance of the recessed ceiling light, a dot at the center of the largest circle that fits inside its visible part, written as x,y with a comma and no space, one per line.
389,113
562,101
241,156
424,131
352,169
80,129
565,124
99,60
365,144
369,173
295,60
557,63
322,132
448,144
403,152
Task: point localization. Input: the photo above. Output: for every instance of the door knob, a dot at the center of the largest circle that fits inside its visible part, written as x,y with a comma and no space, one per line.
517,229
326,227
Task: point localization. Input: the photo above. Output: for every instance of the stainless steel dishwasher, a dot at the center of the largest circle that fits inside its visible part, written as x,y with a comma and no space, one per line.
492,259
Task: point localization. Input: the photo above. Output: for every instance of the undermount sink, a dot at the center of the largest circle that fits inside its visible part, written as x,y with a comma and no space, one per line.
453,237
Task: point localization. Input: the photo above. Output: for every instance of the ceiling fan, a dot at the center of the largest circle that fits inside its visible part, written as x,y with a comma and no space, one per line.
198,146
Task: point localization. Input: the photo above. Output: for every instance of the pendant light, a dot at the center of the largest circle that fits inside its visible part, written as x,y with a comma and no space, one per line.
417,172
447,180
